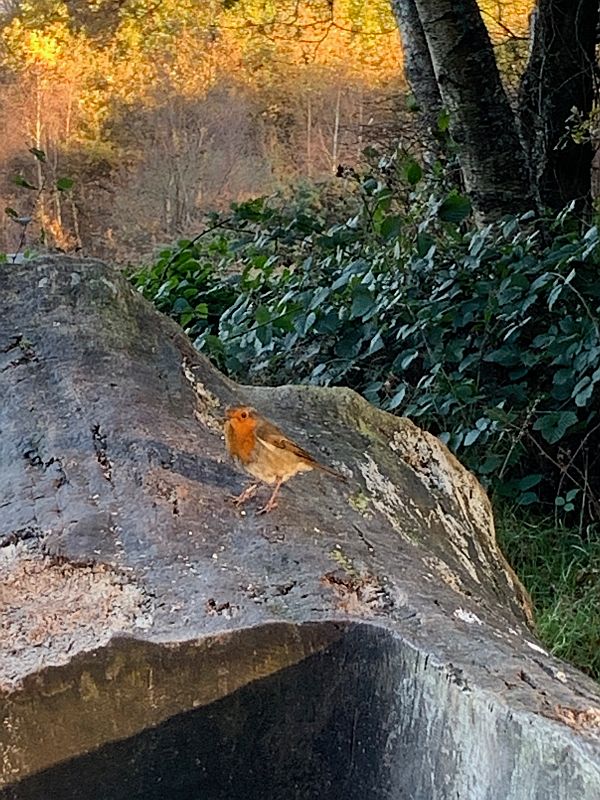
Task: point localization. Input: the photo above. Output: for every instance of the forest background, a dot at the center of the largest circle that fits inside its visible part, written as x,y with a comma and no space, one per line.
357,250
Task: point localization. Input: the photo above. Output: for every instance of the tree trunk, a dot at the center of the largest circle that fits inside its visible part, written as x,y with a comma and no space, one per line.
418,69
158,642
559,78
482,124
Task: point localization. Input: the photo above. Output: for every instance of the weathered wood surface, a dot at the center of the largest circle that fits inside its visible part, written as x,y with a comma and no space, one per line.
157,642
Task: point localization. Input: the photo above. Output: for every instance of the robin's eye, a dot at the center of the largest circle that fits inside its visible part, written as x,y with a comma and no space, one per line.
244,414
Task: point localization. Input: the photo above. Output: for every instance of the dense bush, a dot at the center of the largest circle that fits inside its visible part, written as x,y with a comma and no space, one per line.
487,336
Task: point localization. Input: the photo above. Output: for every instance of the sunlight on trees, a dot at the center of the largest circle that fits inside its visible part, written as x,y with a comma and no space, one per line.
161,110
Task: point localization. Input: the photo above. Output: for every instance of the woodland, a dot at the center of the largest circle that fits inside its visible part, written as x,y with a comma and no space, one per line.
397,197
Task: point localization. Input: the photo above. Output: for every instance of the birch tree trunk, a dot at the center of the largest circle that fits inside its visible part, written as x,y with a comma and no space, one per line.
482,124
418,68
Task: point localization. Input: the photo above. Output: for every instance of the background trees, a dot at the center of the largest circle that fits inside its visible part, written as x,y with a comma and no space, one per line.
163,111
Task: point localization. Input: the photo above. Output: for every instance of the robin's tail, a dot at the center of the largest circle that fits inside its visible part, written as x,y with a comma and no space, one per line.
331,471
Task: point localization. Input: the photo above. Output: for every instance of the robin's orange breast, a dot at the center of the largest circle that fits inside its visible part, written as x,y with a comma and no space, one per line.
240,440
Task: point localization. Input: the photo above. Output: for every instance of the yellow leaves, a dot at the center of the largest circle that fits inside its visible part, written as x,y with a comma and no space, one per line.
149,50
348,35
43,48
506,18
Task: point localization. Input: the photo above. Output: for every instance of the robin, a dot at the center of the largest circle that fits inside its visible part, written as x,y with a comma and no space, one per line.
266,453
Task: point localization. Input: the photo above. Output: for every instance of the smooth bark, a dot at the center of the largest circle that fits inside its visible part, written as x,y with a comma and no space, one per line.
418,69
482,124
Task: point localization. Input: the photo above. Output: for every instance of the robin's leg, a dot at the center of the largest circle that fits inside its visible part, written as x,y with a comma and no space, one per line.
247,494
271,502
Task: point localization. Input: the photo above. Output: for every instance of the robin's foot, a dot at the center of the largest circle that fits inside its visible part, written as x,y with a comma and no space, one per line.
247,494
272,501
269,506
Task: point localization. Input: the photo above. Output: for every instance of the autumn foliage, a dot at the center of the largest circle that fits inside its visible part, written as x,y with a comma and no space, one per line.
163,110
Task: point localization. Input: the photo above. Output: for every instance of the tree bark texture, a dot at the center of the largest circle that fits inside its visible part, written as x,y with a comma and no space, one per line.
560,76
365,639
418,68
482,124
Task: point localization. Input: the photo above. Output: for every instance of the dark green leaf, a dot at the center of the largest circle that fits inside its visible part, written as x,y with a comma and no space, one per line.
38,154
19,180
413,172
527,499
391,227
64,184
555,424
262,315
362,302
530,481
455,208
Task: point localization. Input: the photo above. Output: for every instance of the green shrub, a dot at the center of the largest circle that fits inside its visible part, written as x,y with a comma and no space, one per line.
487,336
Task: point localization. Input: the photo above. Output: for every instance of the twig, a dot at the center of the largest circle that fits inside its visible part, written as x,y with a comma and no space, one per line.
522,430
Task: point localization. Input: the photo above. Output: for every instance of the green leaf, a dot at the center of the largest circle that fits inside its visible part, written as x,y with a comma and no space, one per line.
309,322
376,344
529,481
397,398
455,208
319,296
412,172
555,424
405,359
424,244
554,295
37,153
64,184
391,227
362,302
11,212
443,121
490,464
262,315
180,305
562,377
471,437
349,344
583,391
19,180
527,499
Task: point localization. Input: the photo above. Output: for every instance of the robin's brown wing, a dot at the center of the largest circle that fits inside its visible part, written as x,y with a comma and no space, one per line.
270,434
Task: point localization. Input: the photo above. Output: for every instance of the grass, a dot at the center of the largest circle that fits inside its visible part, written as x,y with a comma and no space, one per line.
561,570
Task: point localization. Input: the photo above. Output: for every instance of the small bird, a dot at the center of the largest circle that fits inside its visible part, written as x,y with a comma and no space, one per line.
265,453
